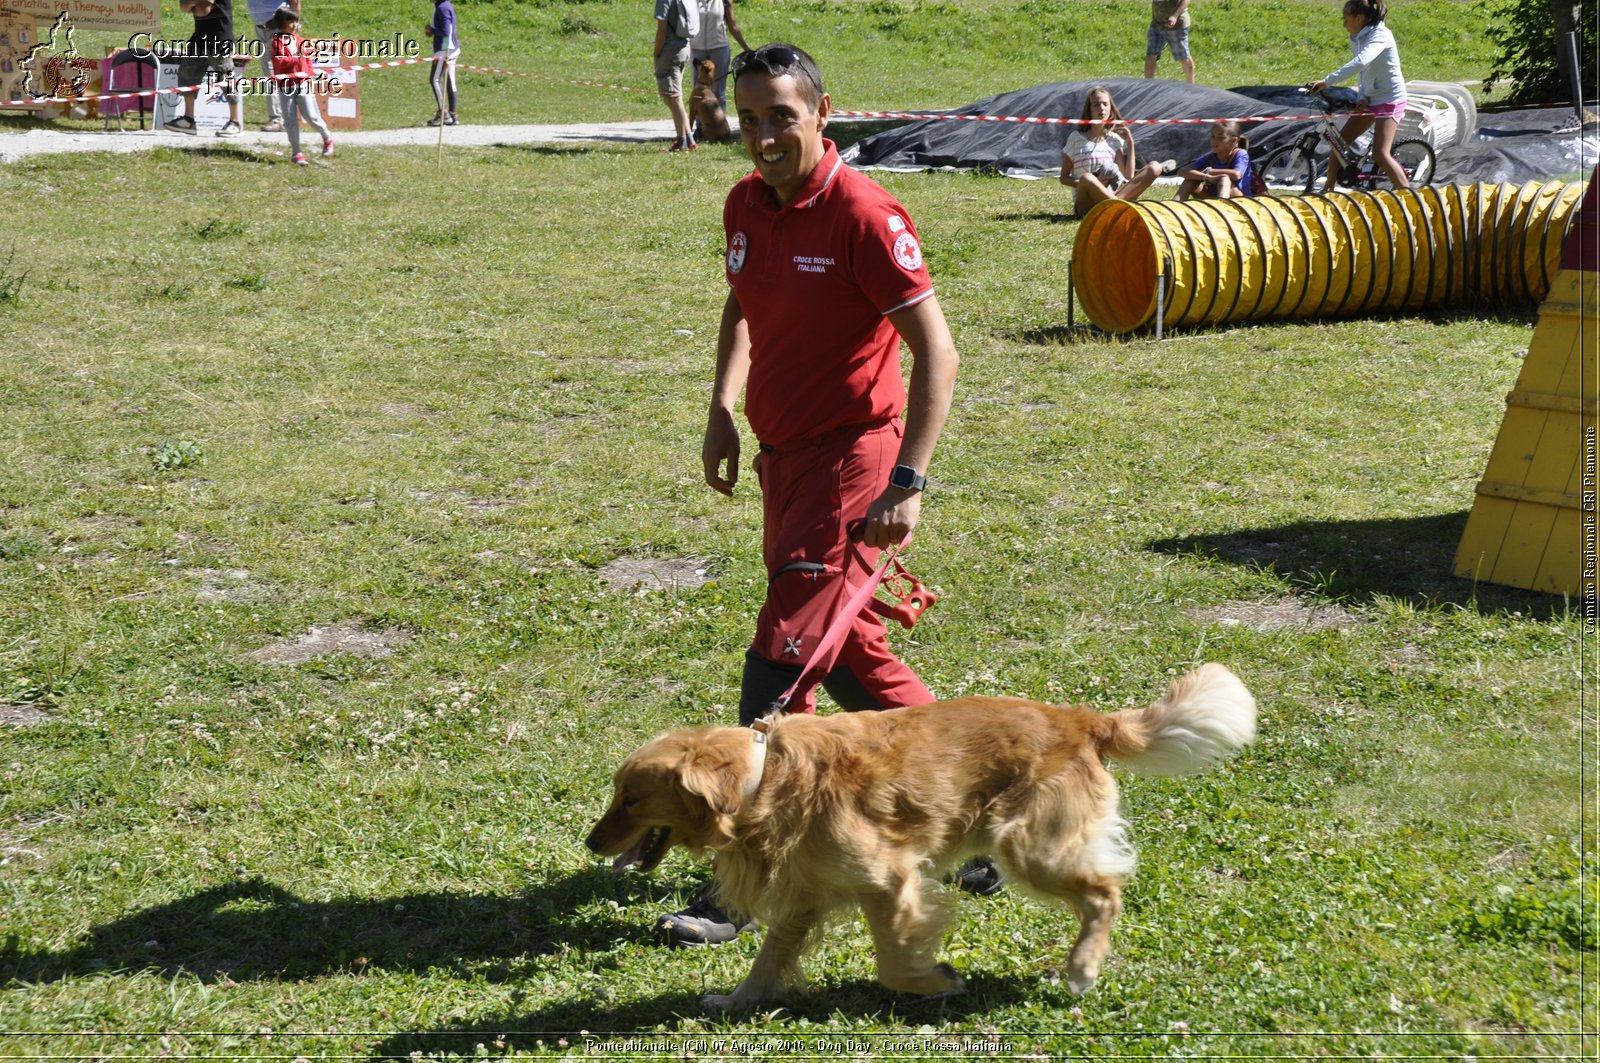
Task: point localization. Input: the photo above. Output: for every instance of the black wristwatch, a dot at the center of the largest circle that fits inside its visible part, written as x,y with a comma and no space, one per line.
907,479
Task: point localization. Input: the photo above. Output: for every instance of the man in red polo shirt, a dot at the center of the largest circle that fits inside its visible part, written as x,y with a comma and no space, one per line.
826,279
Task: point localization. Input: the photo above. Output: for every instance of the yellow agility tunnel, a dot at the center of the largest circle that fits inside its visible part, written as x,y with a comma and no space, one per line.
1207,263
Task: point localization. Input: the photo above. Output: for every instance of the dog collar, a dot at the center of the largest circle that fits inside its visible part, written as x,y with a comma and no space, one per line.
758,755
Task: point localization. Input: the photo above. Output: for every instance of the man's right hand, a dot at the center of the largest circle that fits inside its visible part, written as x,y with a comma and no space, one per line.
721,446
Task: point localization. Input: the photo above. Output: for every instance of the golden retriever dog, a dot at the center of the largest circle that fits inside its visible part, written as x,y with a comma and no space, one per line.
822,813
704,107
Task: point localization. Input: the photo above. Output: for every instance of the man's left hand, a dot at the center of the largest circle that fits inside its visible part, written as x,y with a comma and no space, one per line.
892,516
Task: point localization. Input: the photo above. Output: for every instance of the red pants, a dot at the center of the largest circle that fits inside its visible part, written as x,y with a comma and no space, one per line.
810,492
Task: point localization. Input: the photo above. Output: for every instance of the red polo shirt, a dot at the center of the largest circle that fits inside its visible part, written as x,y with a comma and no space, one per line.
815,280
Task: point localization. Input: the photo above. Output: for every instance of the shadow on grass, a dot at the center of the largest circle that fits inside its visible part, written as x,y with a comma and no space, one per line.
256,929
556,150
1410,558
1053,217
221,151
1058,335
658,1016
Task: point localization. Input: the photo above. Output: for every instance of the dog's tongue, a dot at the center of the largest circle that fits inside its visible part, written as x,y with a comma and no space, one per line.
632,856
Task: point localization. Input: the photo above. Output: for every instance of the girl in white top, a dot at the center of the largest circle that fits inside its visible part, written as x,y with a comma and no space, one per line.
1097,161
1376,58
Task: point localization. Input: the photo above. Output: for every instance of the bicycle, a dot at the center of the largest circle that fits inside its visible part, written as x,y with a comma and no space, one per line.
1295,167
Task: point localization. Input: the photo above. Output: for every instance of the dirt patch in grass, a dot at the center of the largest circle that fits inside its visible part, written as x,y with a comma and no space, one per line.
87,560
470,502
347,636
228,585
1289,614
104,526
407,410
641,575
23,714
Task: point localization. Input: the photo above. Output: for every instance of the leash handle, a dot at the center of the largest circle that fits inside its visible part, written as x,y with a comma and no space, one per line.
822,658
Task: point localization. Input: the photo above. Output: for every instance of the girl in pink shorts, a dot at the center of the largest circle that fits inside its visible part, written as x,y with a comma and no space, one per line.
1375,57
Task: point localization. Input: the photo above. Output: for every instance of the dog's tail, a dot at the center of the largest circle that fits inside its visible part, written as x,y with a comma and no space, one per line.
1204,716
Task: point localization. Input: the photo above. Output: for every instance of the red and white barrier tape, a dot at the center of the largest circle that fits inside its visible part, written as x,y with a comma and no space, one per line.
559,81
43,100
1021,119
40,101
1013,118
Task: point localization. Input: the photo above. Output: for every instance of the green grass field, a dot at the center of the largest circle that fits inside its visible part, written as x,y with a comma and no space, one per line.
321,492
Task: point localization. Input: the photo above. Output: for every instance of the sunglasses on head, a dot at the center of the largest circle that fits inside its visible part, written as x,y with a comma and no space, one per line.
776,60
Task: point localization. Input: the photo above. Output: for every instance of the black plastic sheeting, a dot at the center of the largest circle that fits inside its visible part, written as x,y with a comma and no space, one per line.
1514,146
1518,146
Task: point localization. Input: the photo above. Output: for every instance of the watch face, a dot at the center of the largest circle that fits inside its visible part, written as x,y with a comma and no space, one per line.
904,477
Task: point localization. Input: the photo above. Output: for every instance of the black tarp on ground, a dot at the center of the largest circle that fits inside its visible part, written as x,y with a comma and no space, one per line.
1520,146
1511,146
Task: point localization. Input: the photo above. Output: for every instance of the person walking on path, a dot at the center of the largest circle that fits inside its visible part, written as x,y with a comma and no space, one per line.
208,59
677,22
292,72
262,12
446,50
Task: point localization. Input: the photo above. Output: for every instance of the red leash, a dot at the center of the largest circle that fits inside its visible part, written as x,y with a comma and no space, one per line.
914,600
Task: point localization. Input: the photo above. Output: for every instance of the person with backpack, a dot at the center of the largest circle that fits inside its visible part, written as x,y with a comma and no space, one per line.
677,21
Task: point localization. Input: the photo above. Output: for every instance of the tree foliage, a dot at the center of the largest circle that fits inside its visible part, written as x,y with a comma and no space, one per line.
1526,34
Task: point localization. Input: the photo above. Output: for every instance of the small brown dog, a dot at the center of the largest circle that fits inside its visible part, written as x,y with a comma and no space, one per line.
704,107
825,813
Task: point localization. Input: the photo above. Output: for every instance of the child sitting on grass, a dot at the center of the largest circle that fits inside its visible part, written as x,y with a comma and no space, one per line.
1224,171
291,72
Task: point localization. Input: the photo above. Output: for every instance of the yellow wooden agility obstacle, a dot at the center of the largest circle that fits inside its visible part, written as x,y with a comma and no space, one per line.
1533,523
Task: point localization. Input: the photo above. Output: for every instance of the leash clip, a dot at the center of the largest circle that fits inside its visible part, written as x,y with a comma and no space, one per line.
763,724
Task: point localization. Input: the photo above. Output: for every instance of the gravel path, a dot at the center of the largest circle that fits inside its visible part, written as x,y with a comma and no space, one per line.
14,146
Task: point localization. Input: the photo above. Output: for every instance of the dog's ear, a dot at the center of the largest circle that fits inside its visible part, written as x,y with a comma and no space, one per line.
716,777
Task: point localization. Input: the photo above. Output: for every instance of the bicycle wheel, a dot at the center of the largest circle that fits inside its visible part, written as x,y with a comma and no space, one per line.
1289,171
1416,158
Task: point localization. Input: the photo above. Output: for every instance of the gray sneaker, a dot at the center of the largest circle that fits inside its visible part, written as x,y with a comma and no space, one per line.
702,923
980,876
